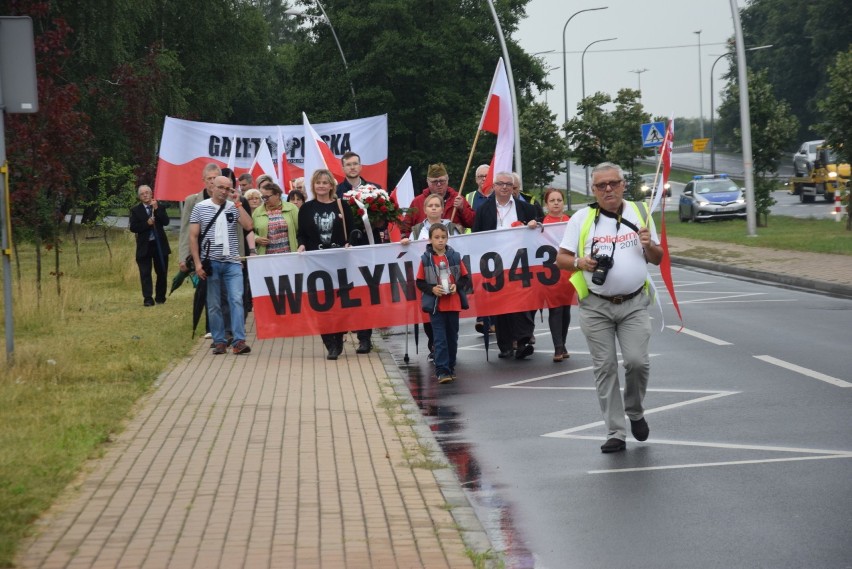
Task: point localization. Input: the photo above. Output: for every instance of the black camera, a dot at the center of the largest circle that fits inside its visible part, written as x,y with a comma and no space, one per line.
605,263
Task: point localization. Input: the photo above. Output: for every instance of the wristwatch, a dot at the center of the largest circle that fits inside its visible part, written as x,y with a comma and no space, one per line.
576,263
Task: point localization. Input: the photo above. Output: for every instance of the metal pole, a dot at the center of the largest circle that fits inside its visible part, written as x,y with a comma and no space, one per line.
745,122
712,119
297,12
6,244
565,117
343,57
713,109
583,84
512,89
700,88
639,73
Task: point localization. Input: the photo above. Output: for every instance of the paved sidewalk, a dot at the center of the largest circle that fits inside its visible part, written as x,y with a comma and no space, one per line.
280,458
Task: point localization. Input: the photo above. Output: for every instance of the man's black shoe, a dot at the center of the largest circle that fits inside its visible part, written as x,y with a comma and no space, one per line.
506,354
640,429
161,301
149,302
364,347
479,326
524,350
613,445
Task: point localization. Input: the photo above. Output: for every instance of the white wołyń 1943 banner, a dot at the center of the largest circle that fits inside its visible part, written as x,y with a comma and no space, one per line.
336,290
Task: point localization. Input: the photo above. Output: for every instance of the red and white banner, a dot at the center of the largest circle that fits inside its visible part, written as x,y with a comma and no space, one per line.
188,146
497,119
334,290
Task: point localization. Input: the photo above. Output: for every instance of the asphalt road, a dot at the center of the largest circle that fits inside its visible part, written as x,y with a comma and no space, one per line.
750,454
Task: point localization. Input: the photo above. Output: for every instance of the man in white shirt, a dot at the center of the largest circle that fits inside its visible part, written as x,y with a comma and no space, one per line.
608,245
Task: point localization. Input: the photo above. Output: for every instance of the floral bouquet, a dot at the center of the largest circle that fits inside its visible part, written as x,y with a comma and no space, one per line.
373,201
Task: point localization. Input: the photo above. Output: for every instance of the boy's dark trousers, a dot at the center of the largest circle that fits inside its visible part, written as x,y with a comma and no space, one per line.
445,335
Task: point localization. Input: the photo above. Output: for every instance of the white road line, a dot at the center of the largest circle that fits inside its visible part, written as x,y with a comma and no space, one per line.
728,446
701,336
707,464
805,371
714,395
722,301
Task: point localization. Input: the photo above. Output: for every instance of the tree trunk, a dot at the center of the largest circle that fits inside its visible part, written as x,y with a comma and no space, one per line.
57,272
38,269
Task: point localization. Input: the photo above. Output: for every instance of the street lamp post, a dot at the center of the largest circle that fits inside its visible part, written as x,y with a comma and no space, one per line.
713,109
639,73
565,117
297,12
583,84
700,89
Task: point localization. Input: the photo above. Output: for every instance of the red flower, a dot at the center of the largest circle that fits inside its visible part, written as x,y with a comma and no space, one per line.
360,211
384,209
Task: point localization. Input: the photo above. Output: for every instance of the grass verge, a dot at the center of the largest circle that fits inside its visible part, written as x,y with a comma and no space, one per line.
82,359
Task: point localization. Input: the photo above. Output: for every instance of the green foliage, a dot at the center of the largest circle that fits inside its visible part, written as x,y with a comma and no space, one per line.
598,135
111,188
836,107
773,128
543,148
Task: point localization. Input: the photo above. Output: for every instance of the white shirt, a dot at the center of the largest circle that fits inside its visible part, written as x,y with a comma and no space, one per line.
630,268
506,214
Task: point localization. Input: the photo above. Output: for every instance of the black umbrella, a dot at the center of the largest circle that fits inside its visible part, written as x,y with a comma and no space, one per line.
198,303
486,337
417,338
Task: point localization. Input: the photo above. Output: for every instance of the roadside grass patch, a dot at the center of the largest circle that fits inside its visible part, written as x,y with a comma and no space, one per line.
81,361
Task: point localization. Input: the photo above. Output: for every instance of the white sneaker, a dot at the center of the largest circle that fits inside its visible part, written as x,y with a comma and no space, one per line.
208,335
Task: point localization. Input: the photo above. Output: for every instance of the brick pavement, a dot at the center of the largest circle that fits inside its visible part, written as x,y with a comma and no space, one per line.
276,459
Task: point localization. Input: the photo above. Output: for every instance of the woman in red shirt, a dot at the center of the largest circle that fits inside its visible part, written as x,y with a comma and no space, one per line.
558,317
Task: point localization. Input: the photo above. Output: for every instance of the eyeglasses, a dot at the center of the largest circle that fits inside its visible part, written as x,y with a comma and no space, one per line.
503,184
439,181
224,188
481,176
602,187
265,198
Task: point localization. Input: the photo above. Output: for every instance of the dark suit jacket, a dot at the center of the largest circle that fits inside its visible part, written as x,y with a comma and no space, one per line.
486,215
139,226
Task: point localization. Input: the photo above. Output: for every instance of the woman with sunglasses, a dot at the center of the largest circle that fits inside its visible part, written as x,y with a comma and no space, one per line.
276,222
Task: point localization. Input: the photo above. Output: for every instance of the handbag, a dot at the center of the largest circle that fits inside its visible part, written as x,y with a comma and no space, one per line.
205,261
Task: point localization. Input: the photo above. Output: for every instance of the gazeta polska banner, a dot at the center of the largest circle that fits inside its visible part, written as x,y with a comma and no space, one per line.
335,290
188,146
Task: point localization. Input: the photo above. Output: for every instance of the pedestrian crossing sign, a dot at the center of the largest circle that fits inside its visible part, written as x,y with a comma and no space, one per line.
653,134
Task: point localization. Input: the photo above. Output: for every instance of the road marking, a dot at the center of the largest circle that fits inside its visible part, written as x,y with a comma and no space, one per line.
707,464
700,336
712,395
729,446
805,371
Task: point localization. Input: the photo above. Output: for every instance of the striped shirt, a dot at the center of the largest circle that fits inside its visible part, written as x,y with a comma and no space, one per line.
202,214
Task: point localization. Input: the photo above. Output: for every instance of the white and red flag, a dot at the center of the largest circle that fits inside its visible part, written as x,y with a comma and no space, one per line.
318,156
497,118
404,191
666,262
284,179
263,163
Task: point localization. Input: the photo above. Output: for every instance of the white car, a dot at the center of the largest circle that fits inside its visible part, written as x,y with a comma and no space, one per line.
647,182
803,160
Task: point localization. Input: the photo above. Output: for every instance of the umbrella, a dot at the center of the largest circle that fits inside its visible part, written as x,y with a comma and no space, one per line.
198,303
417,338
486,337
178,280
405,358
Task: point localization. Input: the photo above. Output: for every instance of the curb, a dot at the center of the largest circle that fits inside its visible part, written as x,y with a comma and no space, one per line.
471,529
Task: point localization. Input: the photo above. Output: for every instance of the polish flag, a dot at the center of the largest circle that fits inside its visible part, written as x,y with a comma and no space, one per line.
284,177
232,157
263,163
497,119
318,156
404,190
666,262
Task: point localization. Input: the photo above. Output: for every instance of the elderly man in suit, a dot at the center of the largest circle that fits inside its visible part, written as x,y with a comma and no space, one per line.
147,220
502,211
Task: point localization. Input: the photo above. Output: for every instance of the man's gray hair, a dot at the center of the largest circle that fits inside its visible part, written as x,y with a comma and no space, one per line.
143,187
608,166
508,174
212,166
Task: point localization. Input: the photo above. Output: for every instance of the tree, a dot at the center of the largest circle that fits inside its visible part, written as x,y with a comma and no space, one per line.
836,109
615,136
773,128
543,148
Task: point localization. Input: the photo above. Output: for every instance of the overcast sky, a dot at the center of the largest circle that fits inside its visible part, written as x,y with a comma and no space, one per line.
671,83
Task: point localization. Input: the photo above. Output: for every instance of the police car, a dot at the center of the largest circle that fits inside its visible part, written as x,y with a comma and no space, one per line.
712,196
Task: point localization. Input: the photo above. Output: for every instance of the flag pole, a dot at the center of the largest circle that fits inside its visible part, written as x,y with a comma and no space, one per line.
467,169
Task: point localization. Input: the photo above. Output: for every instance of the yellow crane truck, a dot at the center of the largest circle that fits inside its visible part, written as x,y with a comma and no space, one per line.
825,178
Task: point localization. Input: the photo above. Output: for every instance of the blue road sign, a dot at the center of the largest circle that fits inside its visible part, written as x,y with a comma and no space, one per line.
653,134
